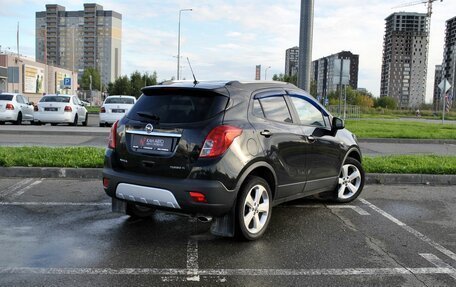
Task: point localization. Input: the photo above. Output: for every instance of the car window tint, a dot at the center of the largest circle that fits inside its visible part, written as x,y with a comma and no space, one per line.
175,107
257,110
128,101
19,99
275,108
55,99
308,114
6,97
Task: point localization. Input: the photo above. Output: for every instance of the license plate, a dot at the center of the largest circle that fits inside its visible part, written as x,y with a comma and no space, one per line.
118,111
51,109
151,143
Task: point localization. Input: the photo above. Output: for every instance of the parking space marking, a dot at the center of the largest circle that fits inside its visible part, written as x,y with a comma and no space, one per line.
192,260
15,187
231,272
24,189
418,234
18,203
438,262
357,209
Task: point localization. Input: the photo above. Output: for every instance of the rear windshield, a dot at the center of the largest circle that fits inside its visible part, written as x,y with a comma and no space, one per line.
178,107
6,97
55,99
129,101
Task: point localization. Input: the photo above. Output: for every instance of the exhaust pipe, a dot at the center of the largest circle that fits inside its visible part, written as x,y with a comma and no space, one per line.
204,219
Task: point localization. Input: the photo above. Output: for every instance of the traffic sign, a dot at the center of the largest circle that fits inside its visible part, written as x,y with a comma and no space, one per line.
444,85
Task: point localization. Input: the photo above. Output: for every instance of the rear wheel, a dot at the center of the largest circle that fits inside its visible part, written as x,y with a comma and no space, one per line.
2,123
53,124
351,181
75,121
19,119
254,208
84,123
139,211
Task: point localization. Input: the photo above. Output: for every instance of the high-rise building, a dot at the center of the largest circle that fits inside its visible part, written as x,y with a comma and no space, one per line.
291,61
449,56
437,93
77,40
404,64
331,72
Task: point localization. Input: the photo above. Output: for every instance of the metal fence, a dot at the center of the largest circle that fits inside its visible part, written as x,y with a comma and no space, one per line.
345,112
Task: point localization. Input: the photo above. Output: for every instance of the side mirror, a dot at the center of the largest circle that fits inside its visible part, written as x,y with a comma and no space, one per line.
337,124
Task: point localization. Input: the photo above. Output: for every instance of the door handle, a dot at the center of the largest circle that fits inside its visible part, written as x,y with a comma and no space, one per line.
266,133
311,139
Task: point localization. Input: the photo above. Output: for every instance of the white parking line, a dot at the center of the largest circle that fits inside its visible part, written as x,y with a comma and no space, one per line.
192,260
24,189
231,272
418,234
438,262
357,209
18,203
17,186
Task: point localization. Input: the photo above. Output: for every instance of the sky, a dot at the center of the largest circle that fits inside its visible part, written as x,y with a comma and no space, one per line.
226,39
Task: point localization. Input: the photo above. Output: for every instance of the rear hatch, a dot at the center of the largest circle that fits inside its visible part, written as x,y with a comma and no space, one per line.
53,104
163,133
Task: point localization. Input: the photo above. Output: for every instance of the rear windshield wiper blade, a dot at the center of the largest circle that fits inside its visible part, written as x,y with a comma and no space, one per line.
148,115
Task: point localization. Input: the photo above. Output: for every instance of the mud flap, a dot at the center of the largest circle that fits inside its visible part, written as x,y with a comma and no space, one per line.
119,206
225,225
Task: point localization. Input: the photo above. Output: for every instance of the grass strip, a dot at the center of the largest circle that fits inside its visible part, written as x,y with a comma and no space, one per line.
401,129
36,156
412,164
92,157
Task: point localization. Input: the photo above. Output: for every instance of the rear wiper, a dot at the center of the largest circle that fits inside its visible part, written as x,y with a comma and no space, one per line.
148,115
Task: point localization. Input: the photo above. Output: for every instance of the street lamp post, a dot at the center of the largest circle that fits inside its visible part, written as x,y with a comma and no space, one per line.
266,72
178,40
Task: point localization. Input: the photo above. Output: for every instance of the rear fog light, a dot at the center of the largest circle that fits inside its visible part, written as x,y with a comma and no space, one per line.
105,182
198,197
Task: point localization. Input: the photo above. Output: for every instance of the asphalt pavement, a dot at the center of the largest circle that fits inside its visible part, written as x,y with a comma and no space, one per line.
56,232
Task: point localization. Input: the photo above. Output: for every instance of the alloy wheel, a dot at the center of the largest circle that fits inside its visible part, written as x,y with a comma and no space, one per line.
256,209
350,179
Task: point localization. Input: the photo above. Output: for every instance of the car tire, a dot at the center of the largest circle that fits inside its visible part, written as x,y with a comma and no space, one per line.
2,123
254,207
84,123
101,125
53,124
139,211
75,121
18,119
350,182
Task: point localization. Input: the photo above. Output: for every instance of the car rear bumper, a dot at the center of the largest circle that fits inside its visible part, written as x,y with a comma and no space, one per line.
49,117
8,115
169,193
110,118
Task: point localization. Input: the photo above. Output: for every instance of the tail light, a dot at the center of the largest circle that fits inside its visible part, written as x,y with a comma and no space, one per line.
219,140
9,107
68,109
105,183
35,108
198,197
102,110
113,136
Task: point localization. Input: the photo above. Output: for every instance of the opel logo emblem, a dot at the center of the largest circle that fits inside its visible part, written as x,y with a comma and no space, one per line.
149,128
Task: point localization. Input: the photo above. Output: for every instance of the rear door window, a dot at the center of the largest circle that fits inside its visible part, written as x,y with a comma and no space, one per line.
273,108
179,106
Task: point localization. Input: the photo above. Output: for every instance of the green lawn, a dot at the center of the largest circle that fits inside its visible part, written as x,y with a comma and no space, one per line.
401,129
80,157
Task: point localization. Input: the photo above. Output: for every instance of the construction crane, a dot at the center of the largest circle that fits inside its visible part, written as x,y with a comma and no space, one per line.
425,2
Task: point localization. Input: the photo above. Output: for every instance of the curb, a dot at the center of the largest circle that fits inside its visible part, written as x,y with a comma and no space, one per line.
96,173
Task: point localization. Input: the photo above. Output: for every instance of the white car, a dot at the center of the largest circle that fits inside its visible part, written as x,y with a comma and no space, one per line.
60,109
114,108
15,108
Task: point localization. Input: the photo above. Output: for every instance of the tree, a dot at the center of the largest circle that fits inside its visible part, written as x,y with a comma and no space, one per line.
285,78
85,80
121,86
132,85
386,102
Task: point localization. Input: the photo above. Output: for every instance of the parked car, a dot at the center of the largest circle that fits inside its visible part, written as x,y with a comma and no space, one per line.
15,108
228,151
114,108
60,109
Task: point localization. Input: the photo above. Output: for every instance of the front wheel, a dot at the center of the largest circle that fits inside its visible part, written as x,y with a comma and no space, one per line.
351,181
254,208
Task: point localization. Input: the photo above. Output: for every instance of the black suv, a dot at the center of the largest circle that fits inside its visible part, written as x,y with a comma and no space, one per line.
228,150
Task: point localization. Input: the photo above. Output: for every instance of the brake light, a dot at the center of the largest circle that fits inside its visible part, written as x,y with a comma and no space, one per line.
198,197
105,183
68,109
9,107
113,136
102,110
35,108
219,140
